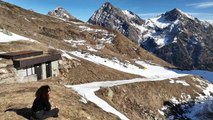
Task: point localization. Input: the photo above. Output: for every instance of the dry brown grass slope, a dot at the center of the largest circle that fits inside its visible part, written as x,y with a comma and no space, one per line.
89,72
16,101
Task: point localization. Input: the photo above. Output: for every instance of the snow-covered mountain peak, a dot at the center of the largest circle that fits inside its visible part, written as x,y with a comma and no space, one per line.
107,5
169,18
176,14
60,12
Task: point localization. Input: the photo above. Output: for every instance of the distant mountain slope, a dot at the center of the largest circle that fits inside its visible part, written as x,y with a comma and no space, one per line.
174,36
180,39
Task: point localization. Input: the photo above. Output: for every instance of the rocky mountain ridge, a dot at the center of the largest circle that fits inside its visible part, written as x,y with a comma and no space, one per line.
109,16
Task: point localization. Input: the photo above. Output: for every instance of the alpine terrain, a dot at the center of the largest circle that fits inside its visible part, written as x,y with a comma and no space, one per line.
103,74
175,36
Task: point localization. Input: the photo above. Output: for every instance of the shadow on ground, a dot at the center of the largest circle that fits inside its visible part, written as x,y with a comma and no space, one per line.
25,112
177,111
199,110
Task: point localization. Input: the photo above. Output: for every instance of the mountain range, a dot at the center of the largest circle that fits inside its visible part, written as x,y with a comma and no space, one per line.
174,36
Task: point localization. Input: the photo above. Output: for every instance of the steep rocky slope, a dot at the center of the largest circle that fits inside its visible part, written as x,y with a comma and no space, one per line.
175,37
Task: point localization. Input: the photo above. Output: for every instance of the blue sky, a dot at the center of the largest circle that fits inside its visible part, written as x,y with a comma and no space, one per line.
83,9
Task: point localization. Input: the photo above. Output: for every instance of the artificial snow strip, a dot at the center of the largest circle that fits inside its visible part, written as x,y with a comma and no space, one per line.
87,91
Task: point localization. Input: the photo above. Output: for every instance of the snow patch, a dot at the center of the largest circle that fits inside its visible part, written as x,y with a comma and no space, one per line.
9,37
160,22
77,23
128,14
183,82
171,81
86,28
151,71
33,18
185,98
174,100
83,100
26,19
75,43
209,90
100,46
161,112
91,49
140,27
67,55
